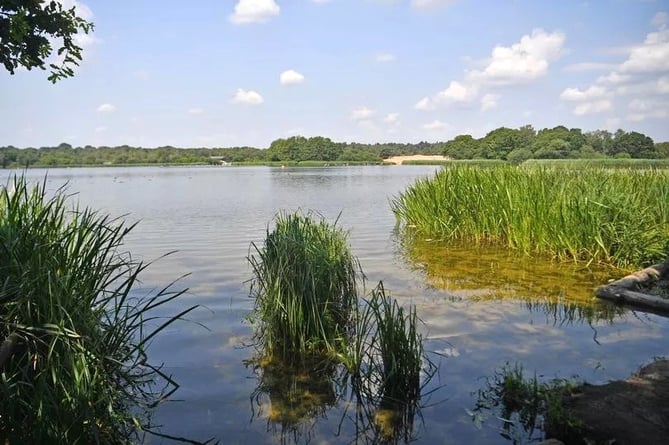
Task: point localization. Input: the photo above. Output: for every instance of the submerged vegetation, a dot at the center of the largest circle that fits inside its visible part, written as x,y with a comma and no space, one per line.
614,217
309,321
74,336
529,409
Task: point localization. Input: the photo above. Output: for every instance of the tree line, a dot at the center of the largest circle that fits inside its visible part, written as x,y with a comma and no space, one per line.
518,145
513,145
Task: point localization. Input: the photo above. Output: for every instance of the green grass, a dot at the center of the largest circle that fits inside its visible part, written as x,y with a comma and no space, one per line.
599,163
308,318
305,288
74,335
615,217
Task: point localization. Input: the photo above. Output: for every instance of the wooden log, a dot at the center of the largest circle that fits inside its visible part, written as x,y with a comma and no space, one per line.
626,290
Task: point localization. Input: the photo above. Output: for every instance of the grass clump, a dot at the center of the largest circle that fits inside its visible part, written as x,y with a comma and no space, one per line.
74,366
615,217
309,321
305,288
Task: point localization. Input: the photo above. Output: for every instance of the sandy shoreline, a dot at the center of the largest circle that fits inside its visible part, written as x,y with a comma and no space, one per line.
398,160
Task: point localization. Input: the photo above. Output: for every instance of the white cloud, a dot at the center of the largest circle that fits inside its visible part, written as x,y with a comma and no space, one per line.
291,77
663,85
590,66
526,60
367,125
660,19
430,4
613,78
434,125
489,101
425,104
574,94
392,118
593,107
385,57
362,113
106,108
254,11
651,56
320,1
81,9
196,111
457,92
100,129
522,62
247,97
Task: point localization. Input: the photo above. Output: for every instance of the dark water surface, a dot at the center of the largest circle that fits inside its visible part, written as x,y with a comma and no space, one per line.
481,308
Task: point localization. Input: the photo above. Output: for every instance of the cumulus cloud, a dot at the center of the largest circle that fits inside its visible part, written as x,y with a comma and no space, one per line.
522,62
247,97
425,104
426,5
254,11
434,125
392,118
362,113
613,78
574,94
651,56
597,106
526,60
291,77
457,92
660,19
489,101
385,57
106,108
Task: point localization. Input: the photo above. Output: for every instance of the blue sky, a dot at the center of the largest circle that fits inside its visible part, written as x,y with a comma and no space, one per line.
221,73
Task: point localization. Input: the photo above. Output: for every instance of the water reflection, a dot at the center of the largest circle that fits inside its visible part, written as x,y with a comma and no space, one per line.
294,400
563,292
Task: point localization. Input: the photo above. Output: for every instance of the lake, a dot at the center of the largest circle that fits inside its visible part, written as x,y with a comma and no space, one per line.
481,308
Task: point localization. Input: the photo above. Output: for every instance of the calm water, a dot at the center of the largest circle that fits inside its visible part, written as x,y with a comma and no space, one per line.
480,309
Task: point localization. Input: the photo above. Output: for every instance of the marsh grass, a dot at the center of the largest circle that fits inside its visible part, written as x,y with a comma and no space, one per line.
614,217
74,367
305,289
587,164
309,321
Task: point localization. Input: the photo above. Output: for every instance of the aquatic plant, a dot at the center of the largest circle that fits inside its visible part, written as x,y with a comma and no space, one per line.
528,408
73,360
305,288
615,217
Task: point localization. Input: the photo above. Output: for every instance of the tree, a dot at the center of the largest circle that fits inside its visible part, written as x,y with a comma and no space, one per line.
29,28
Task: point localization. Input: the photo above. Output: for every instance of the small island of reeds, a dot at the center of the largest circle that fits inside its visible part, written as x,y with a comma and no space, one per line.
610,216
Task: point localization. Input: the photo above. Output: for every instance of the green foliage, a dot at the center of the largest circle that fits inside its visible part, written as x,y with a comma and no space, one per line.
28,29
526,405
610,216
305,288
74,336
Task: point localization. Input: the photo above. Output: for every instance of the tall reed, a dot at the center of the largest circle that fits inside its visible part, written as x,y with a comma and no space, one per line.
305,288
74,365
617,217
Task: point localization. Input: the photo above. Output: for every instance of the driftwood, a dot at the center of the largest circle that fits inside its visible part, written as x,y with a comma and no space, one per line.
629,289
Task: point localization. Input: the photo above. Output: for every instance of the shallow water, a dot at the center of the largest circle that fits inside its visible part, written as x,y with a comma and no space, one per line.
480,308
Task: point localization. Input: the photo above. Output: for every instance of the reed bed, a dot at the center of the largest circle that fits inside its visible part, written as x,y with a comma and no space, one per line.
73,359
454,162
305,288
635,164
614,217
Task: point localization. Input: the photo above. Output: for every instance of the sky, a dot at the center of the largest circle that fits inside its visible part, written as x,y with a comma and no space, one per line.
224,73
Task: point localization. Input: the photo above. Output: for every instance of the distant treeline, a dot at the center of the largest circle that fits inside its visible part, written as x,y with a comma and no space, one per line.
514,145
